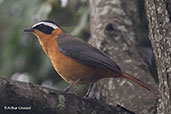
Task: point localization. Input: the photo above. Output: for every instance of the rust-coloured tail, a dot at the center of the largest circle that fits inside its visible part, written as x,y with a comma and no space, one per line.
137,81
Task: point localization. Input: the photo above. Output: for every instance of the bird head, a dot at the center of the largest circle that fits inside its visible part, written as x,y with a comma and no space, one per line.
44,29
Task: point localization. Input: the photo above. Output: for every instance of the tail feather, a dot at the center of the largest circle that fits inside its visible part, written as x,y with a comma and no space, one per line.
137,81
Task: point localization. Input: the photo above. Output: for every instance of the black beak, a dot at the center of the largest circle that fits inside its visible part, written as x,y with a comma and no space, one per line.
28,30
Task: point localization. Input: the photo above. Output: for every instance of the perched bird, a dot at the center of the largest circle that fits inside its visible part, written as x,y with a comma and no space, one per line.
76,61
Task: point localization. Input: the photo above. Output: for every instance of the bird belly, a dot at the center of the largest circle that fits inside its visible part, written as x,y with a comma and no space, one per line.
71,71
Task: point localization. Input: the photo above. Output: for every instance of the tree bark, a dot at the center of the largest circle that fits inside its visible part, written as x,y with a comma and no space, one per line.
23,97
158,14
115,29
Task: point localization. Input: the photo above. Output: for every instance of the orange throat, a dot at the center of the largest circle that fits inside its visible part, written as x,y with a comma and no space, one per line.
48,41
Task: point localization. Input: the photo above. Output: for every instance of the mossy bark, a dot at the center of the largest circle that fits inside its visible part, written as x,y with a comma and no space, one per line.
20,97
158,14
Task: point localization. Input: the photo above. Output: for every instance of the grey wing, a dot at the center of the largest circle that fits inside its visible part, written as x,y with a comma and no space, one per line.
86,54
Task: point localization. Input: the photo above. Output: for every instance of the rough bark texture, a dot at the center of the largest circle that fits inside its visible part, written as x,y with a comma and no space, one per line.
41,100
158,13
115,30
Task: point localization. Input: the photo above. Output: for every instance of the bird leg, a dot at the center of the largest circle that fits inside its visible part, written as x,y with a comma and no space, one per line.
68,87
89,90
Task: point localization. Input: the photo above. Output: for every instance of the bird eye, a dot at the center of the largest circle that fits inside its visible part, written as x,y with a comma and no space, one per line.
40,26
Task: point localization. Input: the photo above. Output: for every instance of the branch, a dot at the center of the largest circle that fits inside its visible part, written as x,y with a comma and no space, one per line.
41,100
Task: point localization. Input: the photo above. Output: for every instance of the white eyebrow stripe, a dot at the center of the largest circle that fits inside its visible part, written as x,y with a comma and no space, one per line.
47,24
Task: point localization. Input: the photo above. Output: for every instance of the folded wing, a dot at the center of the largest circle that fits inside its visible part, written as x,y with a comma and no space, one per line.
85,53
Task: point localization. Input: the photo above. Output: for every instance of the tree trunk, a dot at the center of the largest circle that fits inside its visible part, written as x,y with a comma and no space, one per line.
115,29
158,14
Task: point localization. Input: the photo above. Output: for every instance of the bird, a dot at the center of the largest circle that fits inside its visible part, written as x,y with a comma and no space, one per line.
76,61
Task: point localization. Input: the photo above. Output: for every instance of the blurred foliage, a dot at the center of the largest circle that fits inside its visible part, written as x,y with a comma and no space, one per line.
20,53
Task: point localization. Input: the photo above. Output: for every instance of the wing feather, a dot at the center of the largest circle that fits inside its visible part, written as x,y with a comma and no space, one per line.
85,53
